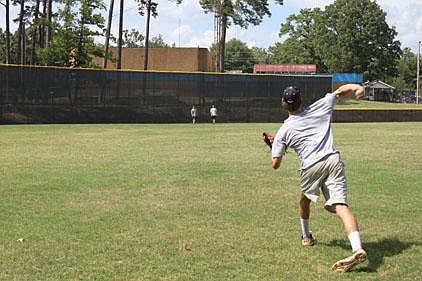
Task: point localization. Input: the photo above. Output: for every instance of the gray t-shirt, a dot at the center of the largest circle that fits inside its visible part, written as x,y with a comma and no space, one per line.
308,133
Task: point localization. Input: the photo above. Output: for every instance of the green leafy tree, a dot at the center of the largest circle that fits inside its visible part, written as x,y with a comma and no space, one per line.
158,42
407,68
35,10
348,36
73,40
33,30
406,78
301,45
357,38
239,56
132,39
260,55
239,12
6,5
16,44
13,46
65,42
2,46
89,16
20,51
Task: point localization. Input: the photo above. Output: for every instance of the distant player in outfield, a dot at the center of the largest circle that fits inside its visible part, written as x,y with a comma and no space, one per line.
194,114
213,113
308,132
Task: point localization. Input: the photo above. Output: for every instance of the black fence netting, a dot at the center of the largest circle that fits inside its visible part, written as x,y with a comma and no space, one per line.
65,95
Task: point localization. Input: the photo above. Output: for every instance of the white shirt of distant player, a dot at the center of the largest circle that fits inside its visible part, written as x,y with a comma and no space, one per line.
309,133
193,112
213,111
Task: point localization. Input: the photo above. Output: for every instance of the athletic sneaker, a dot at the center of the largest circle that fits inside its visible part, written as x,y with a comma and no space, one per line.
308,241
347,264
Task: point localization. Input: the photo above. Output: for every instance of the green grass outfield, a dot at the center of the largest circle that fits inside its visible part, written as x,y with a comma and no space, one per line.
346,104
184,202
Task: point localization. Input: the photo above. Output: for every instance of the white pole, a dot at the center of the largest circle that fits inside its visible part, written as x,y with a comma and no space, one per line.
180,24
417,72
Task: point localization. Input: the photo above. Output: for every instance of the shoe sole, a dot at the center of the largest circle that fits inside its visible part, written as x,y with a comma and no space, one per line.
309,241
347,264
307,244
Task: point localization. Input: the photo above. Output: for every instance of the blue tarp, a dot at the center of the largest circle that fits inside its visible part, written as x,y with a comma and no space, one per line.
347,77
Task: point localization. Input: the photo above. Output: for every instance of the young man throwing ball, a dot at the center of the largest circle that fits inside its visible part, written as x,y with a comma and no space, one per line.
308,132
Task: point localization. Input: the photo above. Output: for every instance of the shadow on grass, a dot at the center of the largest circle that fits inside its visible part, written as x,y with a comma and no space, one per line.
377,251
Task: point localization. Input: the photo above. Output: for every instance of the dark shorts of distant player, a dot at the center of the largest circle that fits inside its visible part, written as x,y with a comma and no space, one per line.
213,117
194,118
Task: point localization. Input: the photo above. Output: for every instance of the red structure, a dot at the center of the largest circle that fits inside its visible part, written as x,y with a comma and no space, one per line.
285,68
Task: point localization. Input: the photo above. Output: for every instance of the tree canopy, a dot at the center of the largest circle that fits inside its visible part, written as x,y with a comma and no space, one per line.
348,36
238,56
239,12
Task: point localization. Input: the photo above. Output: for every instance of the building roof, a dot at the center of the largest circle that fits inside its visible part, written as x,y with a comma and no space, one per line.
377,84
284,68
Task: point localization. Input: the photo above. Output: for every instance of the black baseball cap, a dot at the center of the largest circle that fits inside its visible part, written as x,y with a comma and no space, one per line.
291,95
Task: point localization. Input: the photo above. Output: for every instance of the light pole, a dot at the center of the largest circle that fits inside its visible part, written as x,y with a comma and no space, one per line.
417,72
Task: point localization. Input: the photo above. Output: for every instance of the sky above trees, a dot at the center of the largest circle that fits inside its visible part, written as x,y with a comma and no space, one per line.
186,25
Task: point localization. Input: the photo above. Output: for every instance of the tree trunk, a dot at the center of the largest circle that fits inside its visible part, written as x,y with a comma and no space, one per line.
42,26
20,52
222,47
34,32
107,39
49,34
120,43
147,36
78,61
7,5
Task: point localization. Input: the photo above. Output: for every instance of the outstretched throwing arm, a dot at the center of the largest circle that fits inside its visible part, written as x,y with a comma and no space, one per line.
352,91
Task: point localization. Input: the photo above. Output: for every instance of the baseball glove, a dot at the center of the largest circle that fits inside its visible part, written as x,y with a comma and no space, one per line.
268,139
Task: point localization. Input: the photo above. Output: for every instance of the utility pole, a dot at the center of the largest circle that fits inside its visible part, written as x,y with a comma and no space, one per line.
417,72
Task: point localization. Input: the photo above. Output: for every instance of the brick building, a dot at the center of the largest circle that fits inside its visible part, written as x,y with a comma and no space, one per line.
163,59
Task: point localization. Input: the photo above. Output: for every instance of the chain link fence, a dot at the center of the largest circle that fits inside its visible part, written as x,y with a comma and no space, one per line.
68,95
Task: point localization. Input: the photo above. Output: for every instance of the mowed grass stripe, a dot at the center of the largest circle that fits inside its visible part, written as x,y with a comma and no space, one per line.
184,202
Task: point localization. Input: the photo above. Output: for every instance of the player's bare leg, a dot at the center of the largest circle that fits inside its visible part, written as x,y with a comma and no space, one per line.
304,207
305,212
348,219
351,227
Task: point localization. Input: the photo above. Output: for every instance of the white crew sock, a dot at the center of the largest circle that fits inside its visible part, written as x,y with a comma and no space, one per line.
354,238
304,225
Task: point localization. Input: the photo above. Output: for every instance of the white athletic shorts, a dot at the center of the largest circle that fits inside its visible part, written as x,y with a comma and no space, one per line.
328,176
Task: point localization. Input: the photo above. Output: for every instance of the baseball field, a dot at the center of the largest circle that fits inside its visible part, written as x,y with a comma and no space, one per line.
184,202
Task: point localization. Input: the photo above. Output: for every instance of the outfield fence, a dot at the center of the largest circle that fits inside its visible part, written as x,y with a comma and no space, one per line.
30,94
33,94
